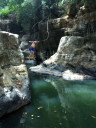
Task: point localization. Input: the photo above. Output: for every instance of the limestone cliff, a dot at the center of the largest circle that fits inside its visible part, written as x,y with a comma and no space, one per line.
77,47
14,82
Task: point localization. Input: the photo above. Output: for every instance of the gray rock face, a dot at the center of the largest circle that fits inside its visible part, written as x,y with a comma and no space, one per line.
24,46
49,40
14,82
10,25
10,52
74,54
67,74
77,48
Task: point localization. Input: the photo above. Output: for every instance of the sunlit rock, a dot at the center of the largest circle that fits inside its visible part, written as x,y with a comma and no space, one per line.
40,69
77,48
14,82
69,75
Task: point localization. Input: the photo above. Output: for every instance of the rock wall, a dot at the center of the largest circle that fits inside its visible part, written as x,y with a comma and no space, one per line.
10,25
49,37
14,82
77,48
48,42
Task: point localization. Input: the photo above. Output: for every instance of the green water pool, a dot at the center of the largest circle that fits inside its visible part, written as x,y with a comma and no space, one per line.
56,103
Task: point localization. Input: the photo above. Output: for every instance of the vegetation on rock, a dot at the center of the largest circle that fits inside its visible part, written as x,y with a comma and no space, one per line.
28,12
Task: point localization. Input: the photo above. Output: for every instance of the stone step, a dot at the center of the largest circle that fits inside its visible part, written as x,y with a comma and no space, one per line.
30,62
26,58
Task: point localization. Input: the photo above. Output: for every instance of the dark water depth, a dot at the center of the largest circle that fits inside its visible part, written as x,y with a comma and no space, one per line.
56,103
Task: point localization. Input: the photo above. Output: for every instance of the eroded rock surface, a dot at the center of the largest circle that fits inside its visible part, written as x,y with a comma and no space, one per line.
25,50
77,48
14,82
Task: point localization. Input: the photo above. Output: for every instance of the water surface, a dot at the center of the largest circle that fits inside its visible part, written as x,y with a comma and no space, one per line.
56,103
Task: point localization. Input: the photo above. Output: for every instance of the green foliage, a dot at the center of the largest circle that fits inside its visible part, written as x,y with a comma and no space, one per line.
5,10
28,12
3,3
9,6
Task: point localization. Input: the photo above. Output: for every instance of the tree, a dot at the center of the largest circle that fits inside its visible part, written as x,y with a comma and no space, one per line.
28,12
3,3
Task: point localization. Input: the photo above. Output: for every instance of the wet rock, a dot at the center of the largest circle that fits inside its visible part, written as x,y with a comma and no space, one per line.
69,75
45,71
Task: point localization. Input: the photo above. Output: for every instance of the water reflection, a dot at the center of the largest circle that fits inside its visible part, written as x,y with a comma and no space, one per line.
56,103
78,100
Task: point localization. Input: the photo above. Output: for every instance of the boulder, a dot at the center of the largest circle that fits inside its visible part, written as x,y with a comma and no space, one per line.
73,53
76,50
14,81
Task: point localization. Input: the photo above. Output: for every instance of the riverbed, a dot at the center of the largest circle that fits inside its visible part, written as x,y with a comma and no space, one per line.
56,103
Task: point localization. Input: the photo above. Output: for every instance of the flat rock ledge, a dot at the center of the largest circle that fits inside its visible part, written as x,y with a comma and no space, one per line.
67,75
39,69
